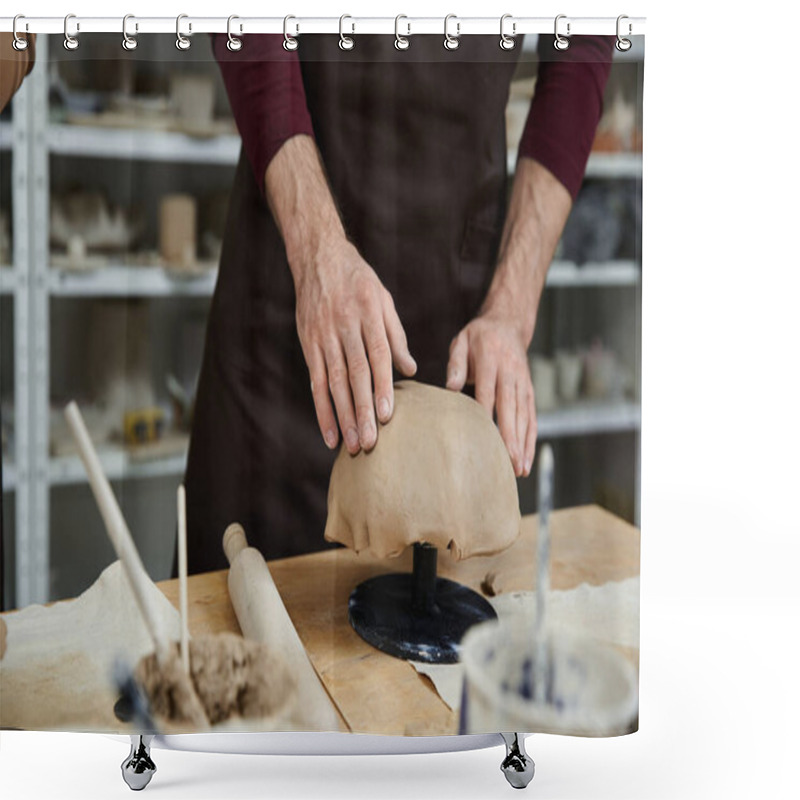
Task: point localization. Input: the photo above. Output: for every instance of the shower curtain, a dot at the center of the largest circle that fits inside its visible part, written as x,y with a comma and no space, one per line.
350,326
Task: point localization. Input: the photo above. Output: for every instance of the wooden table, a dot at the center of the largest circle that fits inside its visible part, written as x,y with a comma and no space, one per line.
374,692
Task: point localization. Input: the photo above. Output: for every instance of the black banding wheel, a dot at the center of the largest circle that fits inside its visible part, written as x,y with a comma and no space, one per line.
416,615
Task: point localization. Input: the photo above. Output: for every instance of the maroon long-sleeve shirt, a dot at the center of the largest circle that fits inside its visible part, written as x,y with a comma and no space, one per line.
265,89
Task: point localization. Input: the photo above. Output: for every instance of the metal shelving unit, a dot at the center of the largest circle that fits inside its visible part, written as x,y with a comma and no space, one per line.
16,282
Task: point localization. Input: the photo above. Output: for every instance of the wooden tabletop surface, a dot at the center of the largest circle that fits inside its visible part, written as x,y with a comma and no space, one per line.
374,692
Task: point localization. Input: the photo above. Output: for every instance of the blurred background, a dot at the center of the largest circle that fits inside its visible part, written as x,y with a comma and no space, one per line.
114,180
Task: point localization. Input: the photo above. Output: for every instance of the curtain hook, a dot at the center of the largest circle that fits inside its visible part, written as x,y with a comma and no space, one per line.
623,45
129,42
401,42
561,42
451,42
70,42
507,42
346,42
289,42
19,43
234,43
182,42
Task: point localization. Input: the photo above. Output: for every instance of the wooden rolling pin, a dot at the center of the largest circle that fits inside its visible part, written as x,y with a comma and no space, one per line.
263,618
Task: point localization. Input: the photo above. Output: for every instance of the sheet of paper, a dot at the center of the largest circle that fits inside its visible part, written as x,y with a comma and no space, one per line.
58,666
609,613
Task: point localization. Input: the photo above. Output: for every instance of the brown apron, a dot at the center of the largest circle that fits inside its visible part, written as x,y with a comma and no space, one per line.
414,146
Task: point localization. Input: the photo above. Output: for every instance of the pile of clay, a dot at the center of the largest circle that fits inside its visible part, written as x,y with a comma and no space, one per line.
231,678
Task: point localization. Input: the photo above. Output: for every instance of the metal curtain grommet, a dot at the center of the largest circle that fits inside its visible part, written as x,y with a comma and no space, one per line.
561,42
19,43
234,43
401,42
507,42
289,42
623,45
346,42
451,42
129,42
182,42
70,42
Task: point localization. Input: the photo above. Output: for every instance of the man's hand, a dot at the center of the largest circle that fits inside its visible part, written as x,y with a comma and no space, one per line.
491,351
351,335
491,354
346,320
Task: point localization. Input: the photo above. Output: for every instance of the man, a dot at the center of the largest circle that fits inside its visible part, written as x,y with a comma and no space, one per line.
368,229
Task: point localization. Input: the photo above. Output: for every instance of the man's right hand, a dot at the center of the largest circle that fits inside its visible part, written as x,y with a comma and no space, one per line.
351,335
346,320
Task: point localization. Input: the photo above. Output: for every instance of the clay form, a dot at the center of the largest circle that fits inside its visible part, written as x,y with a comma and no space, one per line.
101,225
438,477
569,371
439,473
192,99
177,230
543,376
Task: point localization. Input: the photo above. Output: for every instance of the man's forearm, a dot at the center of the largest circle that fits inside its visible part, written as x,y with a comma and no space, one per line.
301,203
536,217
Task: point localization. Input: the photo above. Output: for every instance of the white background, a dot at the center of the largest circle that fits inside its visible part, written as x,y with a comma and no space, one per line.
720,599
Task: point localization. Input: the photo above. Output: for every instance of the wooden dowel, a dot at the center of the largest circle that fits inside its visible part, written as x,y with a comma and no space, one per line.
540,669
182,583
117,531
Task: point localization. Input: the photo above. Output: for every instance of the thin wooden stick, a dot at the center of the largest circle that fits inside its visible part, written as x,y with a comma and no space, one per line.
118,532
541,661
183,589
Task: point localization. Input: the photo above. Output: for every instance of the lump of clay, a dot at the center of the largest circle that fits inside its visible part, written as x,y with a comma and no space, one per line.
439,473
231,677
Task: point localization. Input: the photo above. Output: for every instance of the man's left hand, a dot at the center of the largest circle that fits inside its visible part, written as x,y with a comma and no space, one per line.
491,353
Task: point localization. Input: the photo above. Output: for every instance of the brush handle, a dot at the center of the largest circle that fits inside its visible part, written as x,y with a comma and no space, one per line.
183,591
117,531
543,571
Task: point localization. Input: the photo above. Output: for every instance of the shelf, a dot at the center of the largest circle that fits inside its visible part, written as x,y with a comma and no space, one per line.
79,140
588,417
601,165
117,465
609,273
122,281
614,165
6,136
